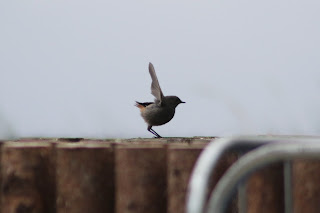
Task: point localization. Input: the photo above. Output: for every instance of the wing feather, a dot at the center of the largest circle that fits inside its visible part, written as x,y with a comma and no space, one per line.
155,86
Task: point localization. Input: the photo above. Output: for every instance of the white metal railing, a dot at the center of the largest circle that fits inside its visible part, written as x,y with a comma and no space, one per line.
270,149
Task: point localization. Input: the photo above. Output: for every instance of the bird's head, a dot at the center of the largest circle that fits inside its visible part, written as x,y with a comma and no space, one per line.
172,101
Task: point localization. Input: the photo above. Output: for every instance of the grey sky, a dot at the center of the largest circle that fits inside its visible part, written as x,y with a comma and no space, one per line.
75,68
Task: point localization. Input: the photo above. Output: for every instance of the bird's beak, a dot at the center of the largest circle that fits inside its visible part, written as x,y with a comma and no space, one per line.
182,102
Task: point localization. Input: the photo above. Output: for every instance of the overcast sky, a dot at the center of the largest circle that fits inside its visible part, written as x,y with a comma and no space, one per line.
74,68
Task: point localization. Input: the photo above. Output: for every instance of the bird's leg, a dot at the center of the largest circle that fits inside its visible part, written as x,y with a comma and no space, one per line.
154,132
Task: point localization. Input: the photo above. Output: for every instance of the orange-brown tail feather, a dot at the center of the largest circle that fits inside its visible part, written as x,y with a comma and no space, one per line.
140,105
143,105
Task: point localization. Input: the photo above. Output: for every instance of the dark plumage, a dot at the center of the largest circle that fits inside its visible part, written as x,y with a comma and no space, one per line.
160,111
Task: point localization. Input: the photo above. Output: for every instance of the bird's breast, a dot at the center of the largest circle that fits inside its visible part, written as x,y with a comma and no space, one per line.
155,115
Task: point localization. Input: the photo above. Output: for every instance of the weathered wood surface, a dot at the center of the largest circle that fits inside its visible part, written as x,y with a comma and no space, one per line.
131,175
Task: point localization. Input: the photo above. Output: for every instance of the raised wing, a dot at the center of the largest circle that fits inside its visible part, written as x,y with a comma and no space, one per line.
155,86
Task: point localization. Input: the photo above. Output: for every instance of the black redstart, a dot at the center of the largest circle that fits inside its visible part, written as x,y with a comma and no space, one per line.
160,111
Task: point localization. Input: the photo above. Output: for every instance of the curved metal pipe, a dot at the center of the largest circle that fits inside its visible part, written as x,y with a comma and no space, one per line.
255,160
207,162
205,165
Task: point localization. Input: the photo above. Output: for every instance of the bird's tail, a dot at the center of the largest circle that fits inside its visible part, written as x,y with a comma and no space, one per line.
140,105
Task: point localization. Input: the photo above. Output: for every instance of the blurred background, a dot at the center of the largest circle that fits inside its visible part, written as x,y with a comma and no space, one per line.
75,68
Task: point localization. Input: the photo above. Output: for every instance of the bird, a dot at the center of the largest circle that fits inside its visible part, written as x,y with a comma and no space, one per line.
162,110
